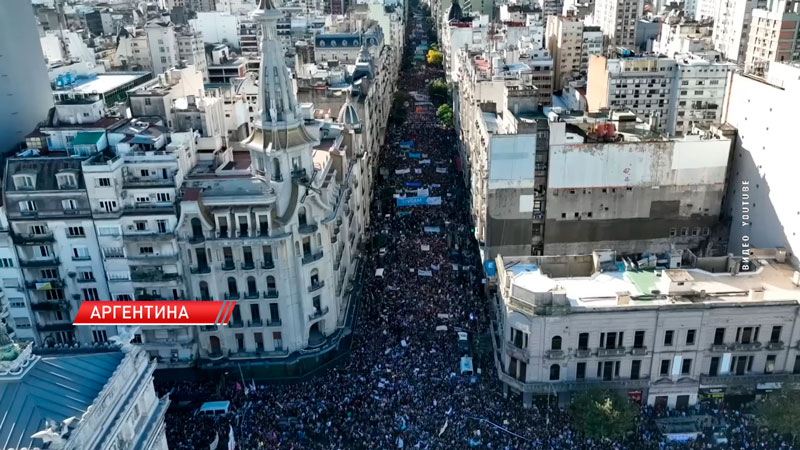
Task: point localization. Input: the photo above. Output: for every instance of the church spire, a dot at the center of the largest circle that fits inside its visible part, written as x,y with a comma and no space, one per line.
277,100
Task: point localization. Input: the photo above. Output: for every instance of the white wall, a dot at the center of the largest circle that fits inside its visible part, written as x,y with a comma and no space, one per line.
217,28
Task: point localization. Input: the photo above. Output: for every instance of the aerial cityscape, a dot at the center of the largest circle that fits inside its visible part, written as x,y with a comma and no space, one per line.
399,224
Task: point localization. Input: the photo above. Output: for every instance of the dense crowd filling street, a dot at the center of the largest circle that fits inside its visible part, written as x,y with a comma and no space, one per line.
401,386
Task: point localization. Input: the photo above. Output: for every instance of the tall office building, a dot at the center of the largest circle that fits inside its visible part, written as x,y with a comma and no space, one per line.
617,19
732,27
21,64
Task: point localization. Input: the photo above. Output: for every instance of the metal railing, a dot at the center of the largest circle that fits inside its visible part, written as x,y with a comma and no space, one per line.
318,313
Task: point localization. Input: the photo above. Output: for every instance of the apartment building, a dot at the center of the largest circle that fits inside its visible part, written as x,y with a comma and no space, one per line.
163,44
762,171
50,220
641,84
699,93
565,44
593,44
669,335
16,317
732,23
192,51
617,19
774,36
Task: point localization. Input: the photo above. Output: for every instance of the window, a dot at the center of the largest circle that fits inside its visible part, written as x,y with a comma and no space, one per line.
49,274
75,232
636,367
580,371
690,335
108,231
80,253
775,336
113,252
142,199
719,336
6,262
23,182
104,182
638,339
161,225
519,338
555,372
69,205
163,197
140,225
555,343
66,181
108,205
747,335
27,205
769,367
90,294
145,250
86,275
99,336
583,341
686,366
664,367
148,102
713,368
668,335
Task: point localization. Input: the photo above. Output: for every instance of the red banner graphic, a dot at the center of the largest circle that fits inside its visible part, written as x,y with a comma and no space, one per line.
155,313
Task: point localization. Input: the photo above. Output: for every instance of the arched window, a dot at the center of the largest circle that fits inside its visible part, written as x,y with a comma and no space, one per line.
251,286
232,286
276,170
301,216
555,372
204,293
197,229
314,277
271,283
555,343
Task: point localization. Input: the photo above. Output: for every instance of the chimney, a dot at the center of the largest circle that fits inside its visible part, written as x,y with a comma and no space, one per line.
623,298
756,294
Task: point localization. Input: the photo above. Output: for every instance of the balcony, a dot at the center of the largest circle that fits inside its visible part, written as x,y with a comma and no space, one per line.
255,323
236,324
56,326
575,385
516,352
30,238
271,293
776,345
299,174
86,280
750,379
44,262
208,328
137,182
719,348
150,208
316,286
248,265
50,305
611,351
583,353
154,258
639,351
554,354
268,265
200,270
274,323
196,239
749,347
307,228
308,258
149,235
153,276
232,296
228,265
45,285
318,313
251,295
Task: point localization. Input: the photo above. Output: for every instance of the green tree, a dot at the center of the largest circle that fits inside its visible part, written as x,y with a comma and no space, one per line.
445,114
439,92
780,412
600,414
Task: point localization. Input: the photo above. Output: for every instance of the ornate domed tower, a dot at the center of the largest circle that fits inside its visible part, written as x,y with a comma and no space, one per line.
280,146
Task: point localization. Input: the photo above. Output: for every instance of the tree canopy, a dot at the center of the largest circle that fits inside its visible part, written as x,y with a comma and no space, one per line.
780,411
600,414
439,92
434,57
445,114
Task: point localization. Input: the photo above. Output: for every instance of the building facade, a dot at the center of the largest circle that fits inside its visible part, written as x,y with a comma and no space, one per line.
732,27
565,44
667,337
618,19
774,36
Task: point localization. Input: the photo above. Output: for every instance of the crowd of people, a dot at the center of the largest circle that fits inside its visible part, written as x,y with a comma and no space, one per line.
401,386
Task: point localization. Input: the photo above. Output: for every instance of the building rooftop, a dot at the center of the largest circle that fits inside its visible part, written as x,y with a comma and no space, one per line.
53,389
771,281
102,83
